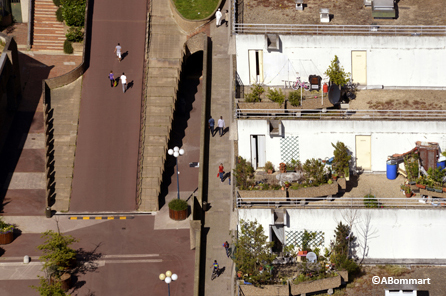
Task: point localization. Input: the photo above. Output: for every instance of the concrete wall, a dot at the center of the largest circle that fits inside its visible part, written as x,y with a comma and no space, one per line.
315,137
25,10
393,234
391,61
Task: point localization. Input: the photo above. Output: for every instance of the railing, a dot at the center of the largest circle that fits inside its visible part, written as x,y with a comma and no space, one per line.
342,202
343,114
375,30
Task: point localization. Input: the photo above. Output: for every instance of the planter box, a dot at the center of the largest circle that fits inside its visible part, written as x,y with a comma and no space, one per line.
266,107
432,193
421,186
178,215
323,190
317,285
6,238
65,279
342,183
266,290
278,195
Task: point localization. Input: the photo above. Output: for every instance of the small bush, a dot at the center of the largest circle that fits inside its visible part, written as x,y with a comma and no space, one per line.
370,201
67,47
59,15
294,98
396,270
56,2
256,91
75,34
276,95
177,205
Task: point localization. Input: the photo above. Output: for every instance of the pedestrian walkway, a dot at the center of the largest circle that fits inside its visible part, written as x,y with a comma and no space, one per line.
108,139
220,151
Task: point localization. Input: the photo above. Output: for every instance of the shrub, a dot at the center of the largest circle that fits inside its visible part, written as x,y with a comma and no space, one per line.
276,95
336,73
342,158
256,91
75,34
56,2
243,171
67,47
59,15
178,205
294,98
269,166
5,227
74,12
370,201
314,170
396,270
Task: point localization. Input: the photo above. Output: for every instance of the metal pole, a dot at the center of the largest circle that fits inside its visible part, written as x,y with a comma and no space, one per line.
168,289
178,182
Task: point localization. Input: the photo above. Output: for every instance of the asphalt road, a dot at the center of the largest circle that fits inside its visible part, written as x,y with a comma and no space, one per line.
105,167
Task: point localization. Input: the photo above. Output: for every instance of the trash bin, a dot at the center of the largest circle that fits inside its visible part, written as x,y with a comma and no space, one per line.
441,163
205,206
392,169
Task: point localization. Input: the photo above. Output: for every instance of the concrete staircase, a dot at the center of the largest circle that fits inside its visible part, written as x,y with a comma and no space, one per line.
166,51
48,32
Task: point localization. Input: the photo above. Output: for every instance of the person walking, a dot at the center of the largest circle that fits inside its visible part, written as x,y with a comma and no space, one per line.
211,123
221,172
226,246
112,78
218,16
226,17
123,82
215,268
221,126
118,51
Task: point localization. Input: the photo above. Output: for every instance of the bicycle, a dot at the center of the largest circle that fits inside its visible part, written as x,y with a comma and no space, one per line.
214,273
298,84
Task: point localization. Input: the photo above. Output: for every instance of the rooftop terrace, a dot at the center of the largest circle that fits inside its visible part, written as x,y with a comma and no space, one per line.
343,12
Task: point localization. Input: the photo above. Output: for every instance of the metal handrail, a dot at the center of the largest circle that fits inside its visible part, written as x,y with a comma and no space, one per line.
341,202
332,114
305,29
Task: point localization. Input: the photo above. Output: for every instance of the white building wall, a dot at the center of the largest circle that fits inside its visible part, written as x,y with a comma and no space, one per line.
391,61
315,137
394,234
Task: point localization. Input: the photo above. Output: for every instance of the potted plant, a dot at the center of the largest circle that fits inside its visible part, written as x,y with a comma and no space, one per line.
47,287
347,174
287,184
334,176
341,160
407,190
58,258
269,168
421,182
6,232
178,209
282,167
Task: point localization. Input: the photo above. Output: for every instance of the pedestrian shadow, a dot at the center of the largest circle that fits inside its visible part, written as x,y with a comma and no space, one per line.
226,176
124,55
117,80
130,85
221,271
225,131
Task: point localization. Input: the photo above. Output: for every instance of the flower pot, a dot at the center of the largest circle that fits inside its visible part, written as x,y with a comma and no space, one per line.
429,188
444,189
270,172
6,238
421,186
178,215
438,190
408,194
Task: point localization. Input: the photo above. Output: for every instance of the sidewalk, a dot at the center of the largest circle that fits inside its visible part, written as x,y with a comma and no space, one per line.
218,218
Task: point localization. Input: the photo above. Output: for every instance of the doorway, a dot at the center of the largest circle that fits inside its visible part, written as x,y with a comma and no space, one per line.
255,66
359,67
258,151
363,152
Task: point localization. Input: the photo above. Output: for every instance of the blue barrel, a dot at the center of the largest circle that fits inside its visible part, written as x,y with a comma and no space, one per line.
441,162
392,169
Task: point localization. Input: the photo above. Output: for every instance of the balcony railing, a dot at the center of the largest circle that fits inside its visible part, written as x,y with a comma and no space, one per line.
329,114
342,202
369,30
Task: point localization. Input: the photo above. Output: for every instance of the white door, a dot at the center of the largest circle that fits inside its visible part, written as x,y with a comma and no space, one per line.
363,152
255,66
261,150
254,152
359,67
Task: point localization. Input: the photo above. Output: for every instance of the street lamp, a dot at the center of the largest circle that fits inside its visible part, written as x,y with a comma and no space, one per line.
176,152
167,278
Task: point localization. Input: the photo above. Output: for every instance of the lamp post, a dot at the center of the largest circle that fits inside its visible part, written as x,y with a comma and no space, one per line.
167,278
176,152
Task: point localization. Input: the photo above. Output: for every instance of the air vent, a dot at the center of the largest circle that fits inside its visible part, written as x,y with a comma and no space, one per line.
275,128
272,42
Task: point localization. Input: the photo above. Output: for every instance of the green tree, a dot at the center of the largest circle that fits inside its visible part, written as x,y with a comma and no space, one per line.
340,254
47,288
253,251
243,172
342,158
336,73
73,12
314,170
